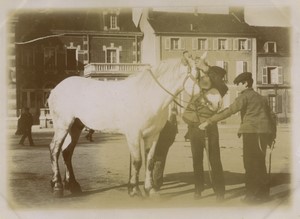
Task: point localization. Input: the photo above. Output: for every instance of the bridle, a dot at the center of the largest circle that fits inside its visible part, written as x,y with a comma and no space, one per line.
189,75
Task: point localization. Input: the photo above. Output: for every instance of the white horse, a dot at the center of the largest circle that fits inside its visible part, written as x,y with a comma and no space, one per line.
136,107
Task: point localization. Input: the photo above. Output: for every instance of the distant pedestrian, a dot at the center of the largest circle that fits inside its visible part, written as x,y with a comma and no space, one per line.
258,128
89,135
24,126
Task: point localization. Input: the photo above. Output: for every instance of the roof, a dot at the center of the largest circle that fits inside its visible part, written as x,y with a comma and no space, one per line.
191,23
280,35
32,24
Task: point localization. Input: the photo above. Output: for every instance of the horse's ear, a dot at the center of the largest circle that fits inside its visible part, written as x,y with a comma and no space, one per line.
204,55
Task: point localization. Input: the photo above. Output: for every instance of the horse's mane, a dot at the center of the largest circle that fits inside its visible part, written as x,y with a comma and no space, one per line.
164,72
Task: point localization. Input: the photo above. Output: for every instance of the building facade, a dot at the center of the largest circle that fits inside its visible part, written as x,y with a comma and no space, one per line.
54,45
110,44
229,42
274,69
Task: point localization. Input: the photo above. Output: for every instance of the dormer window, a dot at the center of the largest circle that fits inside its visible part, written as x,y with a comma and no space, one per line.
111,20
270,47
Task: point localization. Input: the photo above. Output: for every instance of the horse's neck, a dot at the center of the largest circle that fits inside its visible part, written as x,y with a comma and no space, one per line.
162,92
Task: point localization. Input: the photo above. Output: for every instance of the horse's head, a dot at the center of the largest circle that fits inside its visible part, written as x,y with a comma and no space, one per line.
197,67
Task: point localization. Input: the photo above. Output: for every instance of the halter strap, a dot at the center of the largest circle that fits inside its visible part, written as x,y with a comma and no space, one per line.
168,92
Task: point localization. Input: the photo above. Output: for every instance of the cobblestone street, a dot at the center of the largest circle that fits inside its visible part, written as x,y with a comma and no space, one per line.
102,167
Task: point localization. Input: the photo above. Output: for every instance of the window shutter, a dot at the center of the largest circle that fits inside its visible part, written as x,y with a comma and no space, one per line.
194,43
275,47
280,75
229,43
167,43
226,44
245,66
239,67
235,44
206,44
265,76
215,44
266,47
80,58
209,44
249,42
182,43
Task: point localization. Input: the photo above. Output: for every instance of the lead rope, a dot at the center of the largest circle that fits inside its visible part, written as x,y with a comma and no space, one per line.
270,160
206,147
168,92
129,169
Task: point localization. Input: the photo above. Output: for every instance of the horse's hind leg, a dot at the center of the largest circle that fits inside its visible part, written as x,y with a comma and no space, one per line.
55,147
68,149
150,145
136,162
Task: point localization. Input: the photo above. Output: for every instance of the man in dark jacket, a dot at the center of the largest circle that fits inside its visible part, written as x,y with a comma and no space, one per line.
256,128
165,140
25,123
203,106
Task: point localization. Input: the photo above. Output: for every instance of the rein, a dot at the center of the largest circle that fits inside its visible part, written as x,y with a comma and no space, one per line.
189,75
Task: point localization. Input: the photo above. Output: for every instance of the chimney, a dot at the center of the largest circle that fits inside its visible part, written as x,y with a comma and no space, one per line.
196,11
149,12
238,13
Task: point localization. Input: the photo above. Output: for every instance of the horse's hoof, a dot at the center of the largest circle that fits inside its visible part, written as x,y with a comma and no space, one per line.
57,189
153,193
147,192
135,191
58,193
75,188
66,185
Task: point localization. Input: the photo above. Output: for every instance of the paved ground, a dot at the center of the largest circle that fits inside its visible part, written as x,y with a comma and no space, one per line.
102,169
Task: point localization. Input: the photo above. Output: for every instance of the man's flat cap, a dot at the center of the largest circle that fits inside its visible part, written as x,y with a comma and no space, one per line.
242,77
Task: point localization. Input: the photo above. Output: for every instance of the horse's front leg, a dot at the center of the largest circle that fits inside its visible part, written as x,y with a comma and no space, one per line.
136,163
55,148
150,144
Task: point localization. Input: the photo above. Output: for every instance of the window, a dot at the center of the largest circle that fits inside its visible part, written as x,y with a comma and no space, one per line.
27,58
202,44
224,65
199,44
241,66
71,59
49,57
270,47
222,44
242,44
113,22
111,56
275,103
272,75
174,43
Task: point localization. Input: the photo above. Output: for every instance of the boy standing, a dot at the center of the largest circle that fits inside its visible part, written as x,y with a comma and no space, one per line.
258,128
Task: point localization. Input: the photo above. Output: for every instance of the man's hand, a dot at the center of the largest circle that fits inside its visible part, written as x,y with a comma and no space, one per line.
203,125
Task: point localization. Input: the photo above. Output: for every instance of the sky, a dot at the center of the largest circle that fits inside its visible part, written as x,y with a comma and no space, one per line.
254,15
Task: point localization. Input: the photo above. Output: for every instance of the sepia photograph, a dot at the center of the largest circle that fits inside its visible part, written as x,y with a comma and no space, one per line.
182,109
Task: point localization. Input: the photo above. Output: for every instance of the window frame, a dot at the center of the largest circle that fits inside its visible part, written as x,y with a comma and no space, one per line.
267,47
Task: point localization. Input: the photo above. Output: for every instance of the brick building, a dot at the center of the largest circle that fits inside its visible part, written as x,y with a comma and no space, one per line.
53,45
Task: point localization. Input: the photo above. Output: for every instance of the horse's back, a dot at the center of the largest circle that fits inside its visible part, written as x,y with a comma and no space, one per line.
98,104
